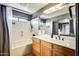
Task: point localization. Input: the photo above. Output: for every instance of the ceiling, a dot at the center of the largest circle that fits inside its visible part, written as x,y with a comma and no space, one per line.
29,8
37,9
60,11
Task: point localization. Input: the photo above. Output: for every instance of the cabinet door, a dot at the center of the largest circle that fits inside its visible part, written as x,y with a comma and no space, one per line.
36,51
45,51
62,51
36,47
35,40
46,48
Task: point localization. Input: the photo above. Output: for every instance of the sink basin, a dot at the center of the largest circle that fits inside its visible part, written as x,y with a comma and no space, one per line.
46,36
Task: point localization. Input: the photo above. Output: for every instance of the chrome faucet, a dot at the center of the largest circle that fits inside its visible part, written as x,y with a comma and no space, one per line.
59,37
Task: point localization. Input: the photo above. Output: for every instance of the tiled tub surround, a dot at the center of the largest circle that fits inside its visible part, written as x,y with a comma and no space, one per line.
66,41
21,39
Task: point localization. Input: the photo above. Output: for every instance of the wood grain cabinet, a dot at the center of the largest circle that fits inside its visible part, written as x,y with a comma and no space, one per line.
46,48
62,51
36,47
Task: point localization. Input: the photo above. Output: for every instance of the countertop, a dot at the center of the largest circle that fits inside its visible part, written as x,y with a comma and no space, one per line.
69,43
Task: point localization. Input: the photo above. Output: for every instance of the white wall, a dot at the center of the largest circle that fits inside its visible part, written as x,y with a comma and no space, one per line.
48,29
35,24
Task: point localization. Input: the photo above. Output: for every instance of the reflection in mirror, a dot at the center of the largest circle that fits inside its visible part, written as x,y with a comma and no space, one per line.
55,27
73,21
63,27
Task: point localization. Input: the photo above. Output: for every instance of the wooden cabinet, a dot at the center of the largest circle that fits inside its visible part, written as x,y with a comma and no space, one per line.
62,51
36,47
46,48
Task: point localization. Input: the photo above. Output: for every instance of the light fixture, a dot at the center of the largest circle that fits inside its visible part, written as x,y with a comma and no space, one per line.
55,8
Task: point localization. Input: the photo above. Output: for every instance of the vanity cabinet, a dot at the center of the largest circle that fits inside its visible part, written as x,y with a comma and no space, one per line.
46,48
62,51
36,47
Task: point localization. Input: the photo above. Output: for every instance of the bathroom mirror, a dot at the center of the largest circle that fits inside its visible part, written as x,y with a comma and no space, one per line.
65,23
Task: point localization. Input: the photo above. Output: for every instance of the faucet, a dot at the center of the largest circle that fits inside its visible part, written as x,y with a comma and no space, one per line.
59,33
59,37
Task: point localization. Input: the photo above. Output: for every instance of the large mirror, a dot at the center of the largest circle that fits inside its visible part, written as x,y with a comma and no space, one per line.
65,23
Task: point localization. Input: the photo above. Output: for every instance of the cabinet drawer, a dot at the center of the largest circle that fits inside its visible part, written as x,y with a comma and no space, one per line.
35,40
36,44
47,44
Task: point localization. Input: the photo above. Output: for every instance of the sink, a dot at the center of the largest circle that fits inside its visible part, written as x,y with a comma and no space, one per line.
45,36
